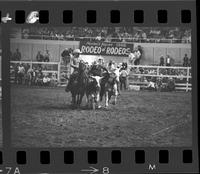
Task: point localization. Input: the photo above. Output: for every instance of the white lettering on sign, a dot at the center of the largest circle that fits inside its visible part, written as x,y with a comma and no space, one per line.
119,49
91,49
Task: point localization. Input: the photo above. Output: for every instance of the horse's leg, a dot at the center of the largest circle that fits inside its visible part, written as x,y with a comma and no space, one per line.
93,102
77,100
106,98
102,91
109,96
115,101
80,99
97,99
73,99
115,93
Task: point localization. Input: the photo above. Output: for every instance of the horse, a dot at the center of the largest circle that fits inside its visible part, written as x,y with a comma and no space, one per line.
78,85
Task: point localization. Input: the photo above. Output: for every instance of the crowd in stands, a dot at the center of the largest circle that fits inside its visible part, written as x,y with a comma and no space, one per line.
23,73
108,34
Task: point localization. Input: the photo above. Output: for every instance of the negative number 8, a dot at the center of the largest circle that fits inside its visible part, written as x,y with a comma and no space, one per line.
105,170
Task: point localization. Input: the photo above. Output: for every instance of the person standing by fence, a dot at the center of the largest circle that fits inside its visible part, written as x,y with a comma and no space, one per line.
123,79
185,61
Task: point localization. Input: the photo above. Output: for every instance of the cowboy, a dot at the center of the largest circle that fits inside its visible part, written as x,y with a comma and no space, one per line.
39,57
66,55
74,67
17,55
46,56
162,60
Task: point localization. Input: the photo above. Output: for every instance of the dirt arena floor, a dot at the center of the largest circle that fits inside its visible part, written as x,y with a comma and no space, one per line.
42,117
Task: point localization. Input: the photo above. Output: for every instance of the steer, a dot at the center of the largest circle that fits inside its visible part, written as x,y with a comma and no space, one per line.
93,91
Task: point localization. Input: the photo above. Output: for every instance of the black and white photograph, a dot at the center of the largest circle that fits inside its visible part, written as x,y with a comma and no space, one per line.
0,94
101,87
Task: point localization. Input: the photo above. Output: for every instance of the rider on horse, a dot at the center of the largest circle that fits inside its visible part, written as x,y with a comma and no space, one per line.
74,70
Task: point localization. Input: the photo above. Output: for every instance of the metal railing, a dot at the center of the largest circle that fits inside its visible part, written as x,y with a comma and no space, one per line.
45,66
187,86
107,39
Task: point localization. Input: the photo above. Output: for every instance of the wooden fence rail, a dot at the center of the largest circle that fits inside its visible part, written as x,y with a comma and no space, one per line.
179,86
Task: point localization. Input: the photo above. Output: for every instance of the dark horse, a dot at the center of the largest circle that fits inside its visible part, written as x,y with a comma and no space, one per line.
78,85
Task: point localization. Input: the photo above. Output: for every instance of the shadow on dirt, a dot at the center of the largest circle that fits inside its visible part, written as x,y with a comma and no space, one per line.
69,107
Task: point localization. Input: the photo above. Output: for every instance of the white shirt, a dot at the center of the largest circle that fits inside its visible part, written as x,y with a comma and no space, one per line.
168,60
21,69
152,84
117,73
46,79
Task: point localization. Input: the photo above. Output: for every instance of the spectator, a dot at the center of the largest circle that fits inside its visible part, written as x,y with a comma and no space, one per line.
54,79
21,72
162,61
39,57
111,66
171,84
66,55
46,80
172,61
124,66
185,60
138,56
168,61
46,56
190,62
151,86
17,55
39,78
123,79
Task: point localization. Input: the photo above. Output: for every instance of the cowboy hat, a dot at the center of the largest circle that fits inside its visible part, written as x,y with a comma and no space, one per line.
77,51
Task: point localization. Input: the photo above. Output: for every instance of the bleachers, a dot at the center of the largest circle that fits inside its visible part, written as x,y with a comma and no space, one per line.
117,34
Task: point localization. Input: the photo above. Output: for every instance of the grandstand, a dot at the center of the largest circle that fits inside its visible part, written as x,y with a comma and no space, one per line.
117,34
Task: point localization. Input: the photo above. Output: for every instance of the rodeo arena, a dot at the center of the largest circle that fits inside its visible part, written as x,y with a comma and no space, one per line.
101,87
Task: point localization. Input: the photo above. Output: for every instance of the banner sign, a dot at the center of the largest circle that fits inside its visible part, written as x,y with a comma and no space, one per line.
105,48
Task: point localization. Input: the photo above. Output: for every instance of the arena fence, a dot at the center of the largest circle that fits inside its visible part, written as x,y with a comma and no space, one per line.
182,75
47,67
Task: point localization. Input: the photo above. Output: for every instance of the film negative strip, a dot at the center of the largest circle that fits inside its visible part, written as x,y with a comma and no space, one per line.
106,87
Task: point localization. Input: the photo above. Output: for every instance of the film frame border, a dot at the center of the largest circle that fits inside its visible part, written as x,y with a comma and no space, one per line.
173,8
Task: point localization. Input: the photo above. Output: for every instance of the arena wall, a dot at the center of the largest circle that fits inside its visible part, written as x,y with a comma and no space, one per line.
152,51
29,48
